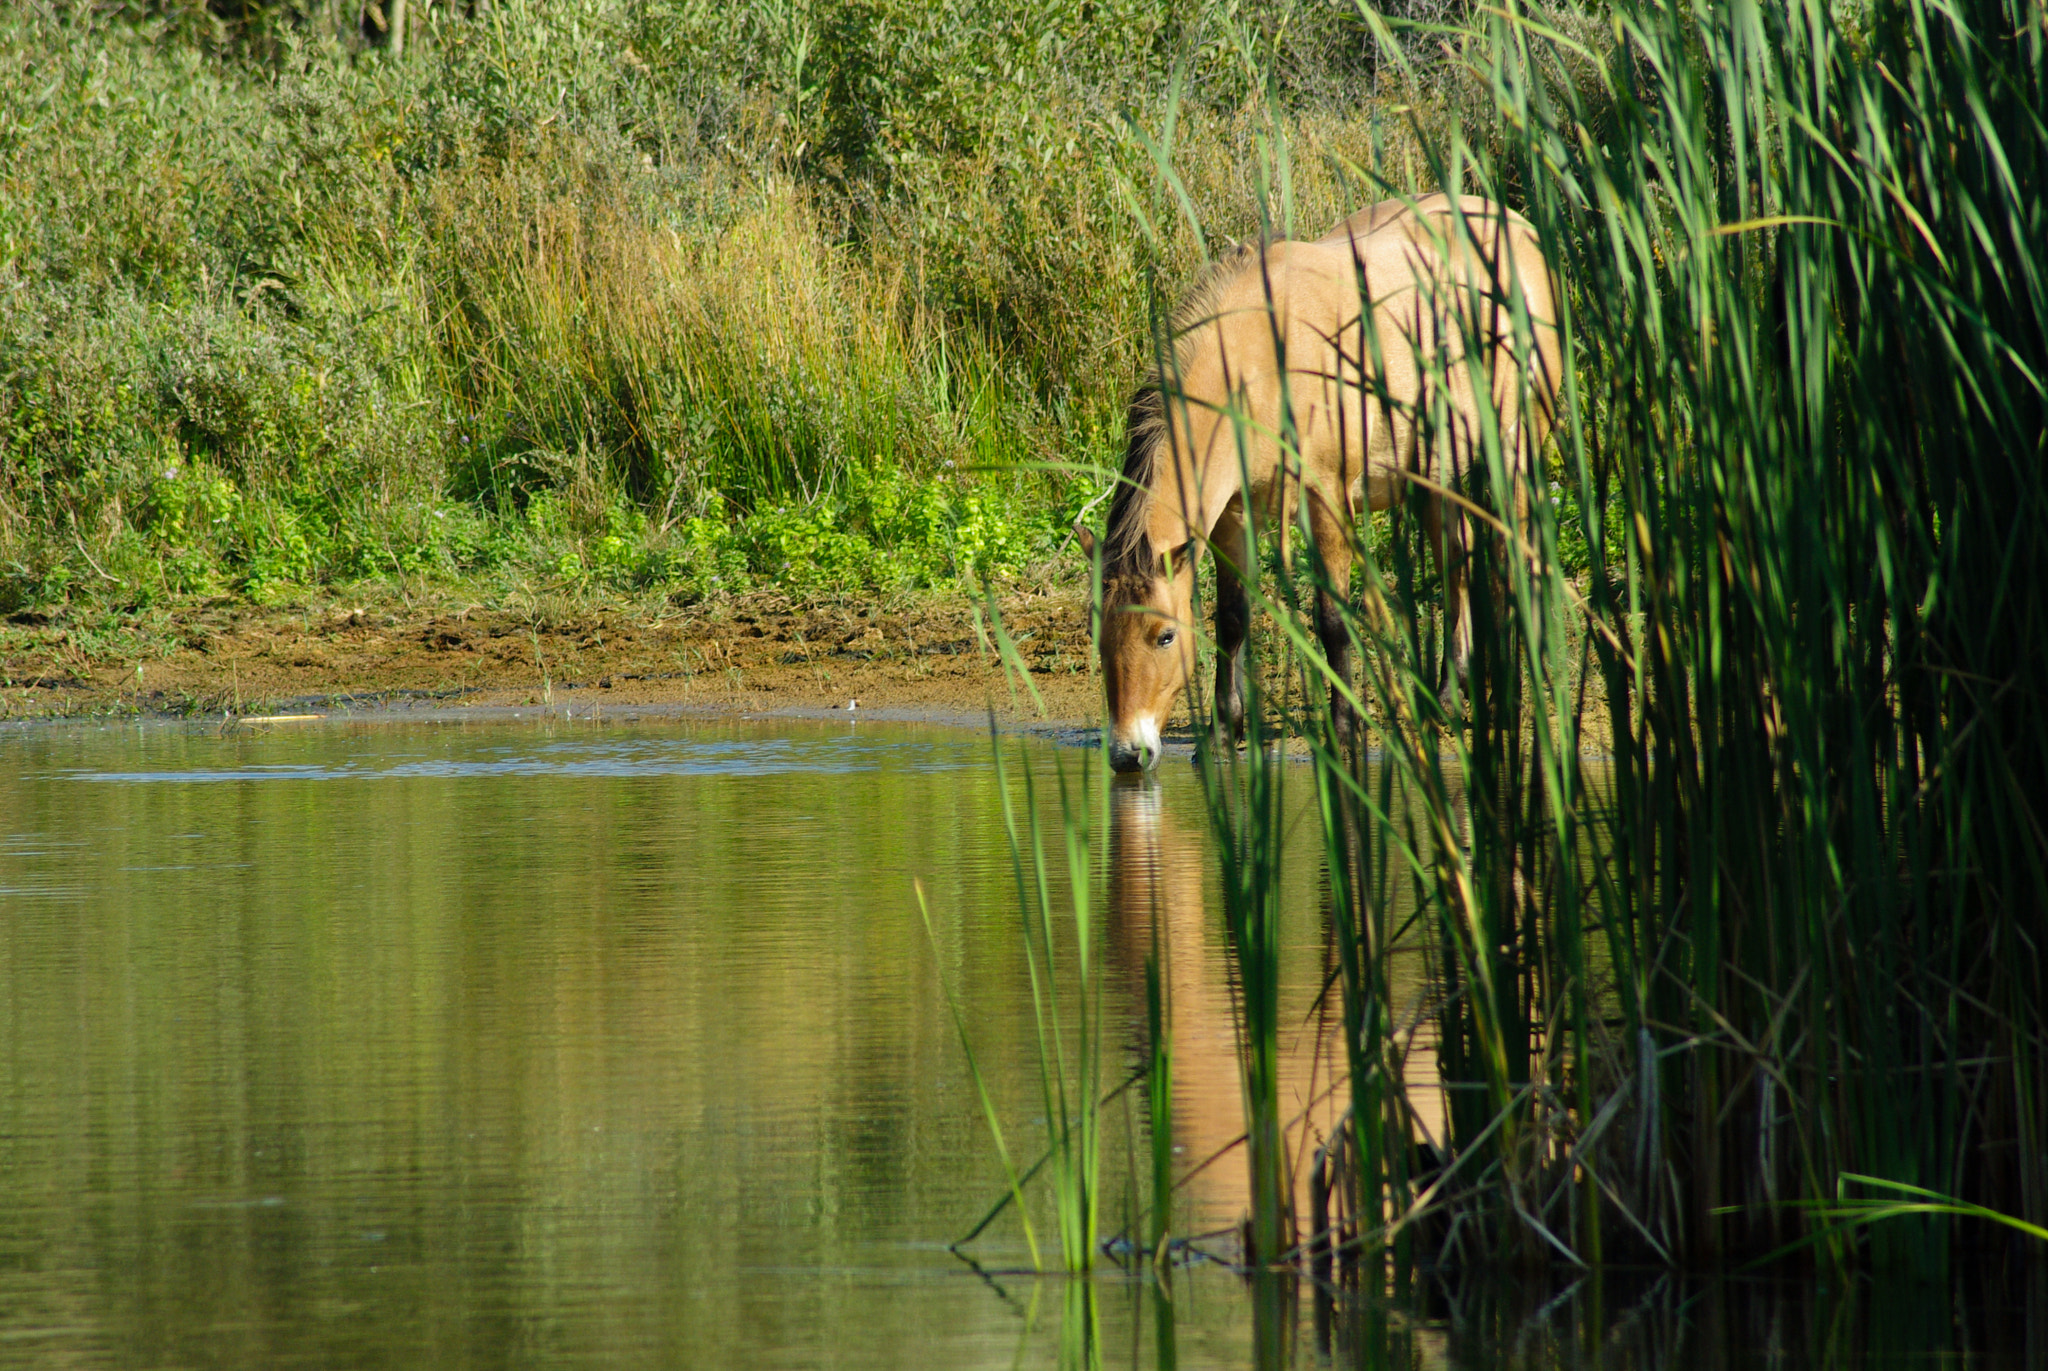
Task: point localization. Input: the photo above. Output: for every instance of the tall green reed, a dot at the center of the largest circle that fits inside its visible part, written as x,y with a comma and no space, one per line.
1247,817
1066,1004
1244,796
1070,1081
1807,356
1159,1095
1066,1001
1787,932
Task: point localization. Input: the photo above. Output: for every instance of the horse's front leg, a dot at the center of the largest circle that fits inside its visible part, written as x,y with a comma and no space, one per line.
1333,628
1232,555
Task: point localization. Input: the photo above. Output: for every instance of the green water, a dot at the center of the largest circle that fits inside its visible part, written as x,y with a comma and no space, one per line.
503,1044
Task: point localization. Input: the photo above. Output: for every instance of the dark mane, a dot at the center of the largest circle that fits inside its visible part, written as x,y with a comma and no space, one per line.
1127,546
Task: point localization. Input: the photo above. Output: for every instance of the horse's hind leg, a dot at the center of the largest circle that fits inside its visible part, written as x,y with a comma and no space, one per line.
1232,554
1445,530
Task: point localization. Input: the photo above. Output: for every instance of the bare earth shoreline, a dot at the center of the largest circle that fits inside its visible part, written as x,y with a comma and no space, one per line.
925,660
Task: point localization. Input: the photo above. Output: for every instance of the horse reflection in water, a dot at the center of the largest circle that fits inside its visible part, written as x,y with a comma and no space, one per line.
1157,870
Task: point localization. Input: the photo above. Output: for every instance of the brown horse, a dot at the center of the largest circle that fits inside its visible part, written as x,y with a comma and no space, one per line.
1226,425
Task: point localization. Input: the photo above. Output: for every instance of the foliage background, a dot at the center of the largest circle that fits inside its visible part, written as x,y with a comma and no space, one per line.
648,297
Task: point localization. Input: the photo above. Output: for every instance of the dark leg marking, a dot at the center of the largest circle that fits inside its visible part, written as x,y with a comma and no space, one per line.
1233,626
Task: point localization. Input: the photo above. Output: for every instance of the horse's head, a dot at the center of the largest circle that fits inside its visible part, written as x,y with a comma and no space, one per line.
1148,649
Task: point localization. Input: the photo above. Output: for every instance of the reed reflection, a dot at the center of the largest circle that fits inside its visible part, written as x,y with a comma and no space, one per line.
1159,905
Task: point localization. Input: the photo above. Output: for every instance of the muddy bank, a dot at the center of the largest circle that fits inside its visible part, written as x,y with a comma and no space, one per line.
929,657
926,659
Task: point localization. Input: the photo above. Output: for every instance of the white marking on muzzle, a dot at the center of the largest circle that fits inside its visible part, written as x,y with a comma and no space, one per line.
1145,732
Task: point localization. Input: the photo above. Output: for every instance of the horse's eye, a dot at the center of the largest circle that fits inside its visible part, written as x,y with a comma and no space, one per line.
1166,638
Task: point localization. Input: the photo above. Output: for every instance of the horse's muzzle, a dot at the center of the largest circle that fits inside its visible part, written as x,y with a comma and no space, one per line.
1126,759
1136,748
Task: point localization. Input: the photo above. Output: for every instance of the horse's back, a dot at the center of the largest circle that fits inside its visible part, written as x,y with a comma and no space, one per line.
1304,296
1392,246
1399,247
1393,249
1394,235
1404,214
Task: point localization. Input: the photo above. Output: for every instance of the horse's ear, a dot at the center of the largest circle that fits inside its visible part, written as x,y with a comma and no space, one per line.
1176,558
1085,536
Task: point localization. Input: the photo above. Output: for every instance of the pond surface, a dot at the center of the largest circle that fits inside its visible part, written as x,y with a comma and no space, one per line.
513,1044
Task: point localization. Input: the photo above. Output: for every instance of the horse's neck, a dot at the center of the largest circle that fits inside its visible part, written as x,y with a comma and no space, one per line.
1188,494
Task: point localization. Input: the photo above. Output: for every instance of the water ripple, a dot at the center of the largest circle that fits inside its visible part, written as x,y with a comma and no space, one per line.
611,759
